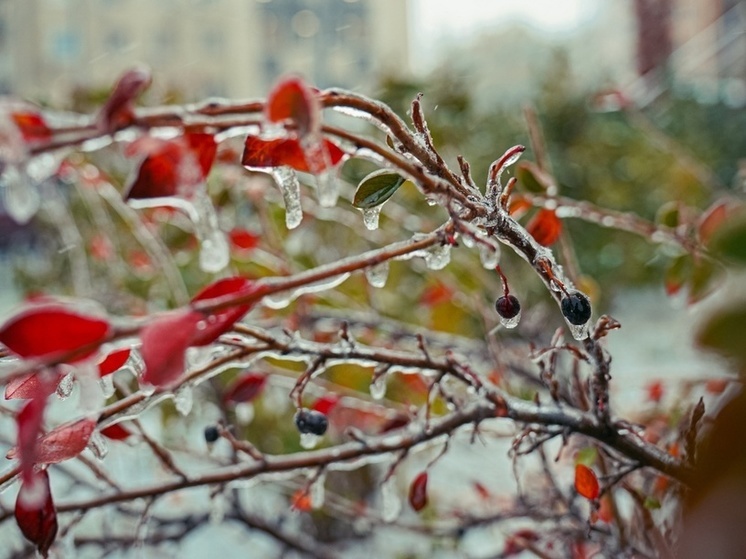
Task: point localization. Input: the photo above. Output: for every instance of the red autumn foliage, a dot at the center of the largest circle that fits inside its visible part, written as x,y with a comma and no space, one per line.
243,240
586,482
545,227
326,403
32,126
418,492
37,518
164,343
118,111
245,388
291,99
27,386
113,361
51,328
219,322
29,420
116,432
260,153
655,390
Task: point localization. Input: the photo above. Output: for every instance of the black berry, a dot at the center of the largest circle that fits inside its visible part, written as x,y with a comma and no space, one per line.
211,434
577,308
507,306
311,421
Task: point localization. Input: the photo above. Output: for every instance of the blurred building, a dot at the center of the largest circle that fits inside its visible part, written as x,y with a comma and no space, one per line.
200,48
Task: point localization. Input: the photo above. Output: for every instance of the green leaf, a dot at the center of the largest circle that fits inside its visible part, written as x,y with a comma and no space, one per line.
586,456
723,331
669,214
729,240
376,188
651,503
531,177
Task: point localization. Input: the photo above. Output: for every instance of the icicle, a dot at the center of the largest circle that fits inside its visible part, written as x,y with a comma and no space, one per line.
20,195
489,255
317,491
579,332
65,386
278,300
98,445
438,257
370,217
378,387
391,504
107,386
214,254
378,274
309,441
184,399
218,508
287,182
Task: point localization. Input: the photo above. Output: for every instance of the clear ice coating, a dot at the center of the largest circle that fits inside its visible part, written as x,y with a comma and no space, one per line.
97,444
309,441
370,217
511,322
489,255
378,387
65,386
391,504
20,195
287,182
316,492
437,257
214,253
579,332
378,274
184,399
107,386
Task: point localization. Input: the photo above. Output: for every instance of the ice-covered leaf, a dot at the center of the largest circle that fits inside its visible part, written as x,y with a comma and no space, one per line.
118,111
29,421
116,432
545,227
260,153
32,125
586,482
243,239
35,512
376,188
418,492
62,443
217,323
27,386
164,343
51,328
245,388
326,403
291,99
114,361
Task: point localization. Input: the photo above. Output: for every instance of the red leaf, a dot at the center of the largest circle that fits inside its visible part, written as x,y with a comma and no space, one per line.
50,328
482,491
116,432
164,342
113,362
292,99
218,323
545,227
586,482
435,294
713,218
418,492
65,442
118,112
32,126
35,515
245,388
655,391
29,420
204,148
243,239
261,153
301,501
326,403
27,386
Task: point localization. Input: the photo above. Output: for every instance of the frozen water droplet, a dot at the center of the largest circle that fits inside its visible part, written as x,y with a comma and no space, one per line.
316,492
65,386
214,254
327,188
42,166
98,445
244,413
468,241
287,182
378,387
309,440
370,217
378,274
511,322
184,399
489,256
391,504
107,386
20,195
431,201
438,257
278,300
579,332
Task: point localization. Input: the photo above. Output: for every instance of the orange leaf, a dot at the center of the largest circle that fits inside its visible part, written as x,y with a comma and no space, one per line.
545,227
586,482
292,99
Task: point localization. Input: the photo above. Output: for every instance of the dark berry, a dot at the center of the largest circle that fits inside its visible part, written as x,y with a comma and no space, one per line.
577,308
211,434
311,421
507,306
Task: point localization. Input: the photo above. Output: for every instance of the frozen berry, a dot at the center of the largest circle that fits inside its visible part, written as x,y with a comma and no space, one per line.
577,308
507,306
211,434
311,421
